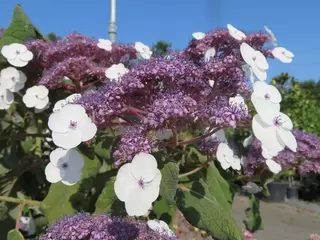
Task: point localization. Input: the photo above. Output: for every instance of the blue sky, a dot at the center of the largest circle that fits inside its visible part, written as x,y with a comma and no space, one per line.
293,22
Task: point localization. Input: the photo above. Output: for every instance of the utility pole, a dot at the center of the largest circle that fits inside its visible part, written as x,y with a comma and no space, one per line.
112,23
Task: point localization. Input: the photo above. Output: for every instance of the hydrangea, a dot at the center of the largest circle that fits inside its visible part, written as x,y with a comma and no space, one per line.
102,227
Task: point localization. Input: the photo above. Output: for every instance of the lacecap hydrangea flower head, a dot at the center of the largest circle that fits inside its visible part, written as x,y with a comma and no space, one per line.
125,89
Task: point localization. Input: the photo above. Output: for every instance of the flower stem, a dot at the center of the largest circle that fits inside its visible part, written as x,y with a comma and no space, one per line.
196,169
20,201
21,206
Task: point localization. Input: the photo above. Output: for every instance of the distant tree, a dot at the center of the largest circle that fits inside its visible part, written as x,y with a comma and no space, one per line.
161,48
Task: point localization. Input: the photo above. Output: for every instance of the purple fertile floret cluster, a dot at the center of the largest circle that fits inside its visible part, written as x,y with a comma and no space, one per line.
178,92
307,157
101,227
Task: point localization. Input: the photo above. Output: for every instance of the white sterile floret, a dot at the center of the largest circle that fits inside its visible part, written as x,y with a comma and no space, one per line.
198,35
160,227
209,54
104,44
283,54
65,166
28,225
116,71
12,79
219,135
143,51
248,141
256,60
37,97
226,157
273,166
6,98
17,54
274,132
273,37
265,98
211,83
63,102
238,102
138,184
70,126
235,33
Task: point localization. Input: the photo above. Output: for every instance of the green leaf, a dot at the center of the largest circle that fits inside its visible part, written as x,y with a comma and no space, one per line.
108,201
164,211
203,199
20,30
14,235
254,221
28,145
58,200
169,181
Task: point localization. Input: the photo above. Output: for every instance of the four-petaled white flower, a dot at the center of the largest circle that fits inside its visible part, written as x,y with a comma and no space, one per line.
198,35
138,184
219,135
209,54
273,37
256,60
12,79
63,102
6,98
283,54
104,44
17,54
160,227
70,126
248,141
37,97
226,157
274,132
65,166
116,71
266,99
144,51
239,102
235,33
273,166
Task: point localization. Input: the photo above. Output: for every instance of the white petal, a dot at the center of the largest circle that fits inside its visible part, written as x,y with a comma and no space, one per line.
144,166
17,62
56,155
41,103
17,87
53,173
75,159
8,52
70,139
124,183
286,122
59,105
153,187
73,97
248,141
72,177
154,225
211,83
58,122
273,166
260,74
235,164
225,165
261,61
198,35
26,56
287,138
235,33
9,77
247,53
138,203
224,155
42,91
88,131
29,100
266,109
268,154
266,134
18,47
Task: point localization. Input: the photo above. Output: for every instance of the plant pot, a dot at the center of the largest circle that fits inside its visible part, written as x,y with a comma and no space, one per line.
293,193
278,191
